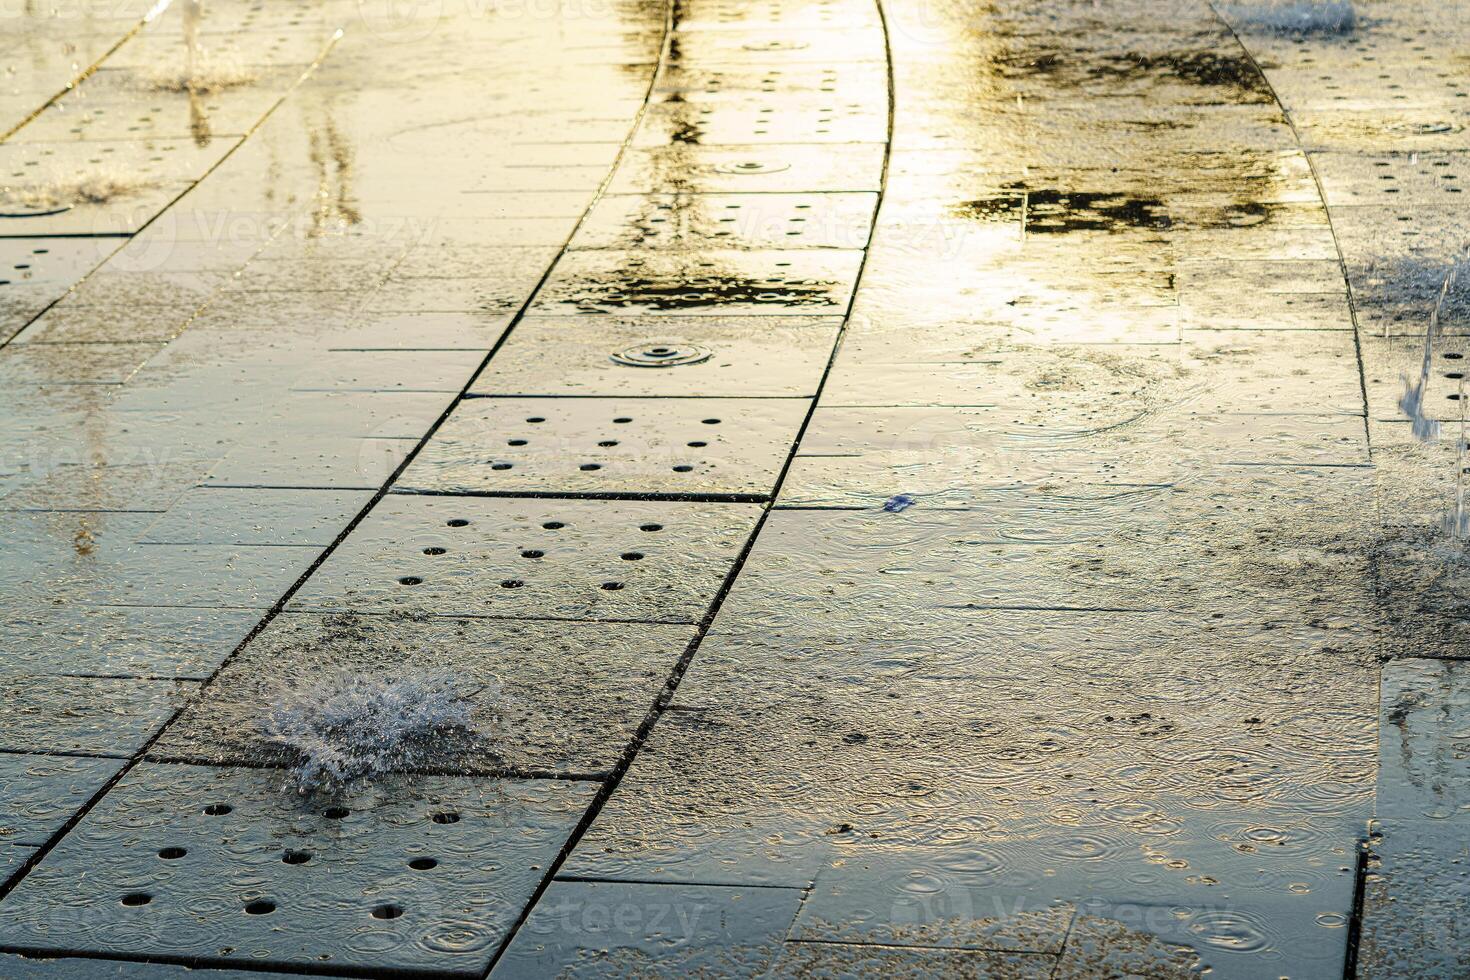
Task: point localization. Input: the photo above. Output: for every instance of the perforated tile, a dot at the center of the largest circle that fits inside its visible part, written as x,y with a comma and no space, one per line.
545,697
748,357
768,168
39,793
725,15
821,48
1403,179
654,446
762,122
220,865
701,283
683,221
854,84
59,261
579,559
592,929
122,640
95,716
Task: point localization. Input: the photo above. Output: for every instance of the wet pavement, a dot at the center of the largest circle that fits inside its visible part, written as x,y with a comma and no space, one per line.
811,488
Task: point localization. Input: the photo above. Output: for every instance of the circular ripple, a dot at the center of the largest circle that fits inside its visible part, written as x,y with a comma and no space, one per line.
751,167
661,355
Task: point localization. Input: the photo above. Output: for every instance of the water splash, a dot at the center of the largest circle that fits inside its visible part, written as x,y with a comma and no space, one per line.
344,727
99,187
1411,403
1299,17
203,74
1427,429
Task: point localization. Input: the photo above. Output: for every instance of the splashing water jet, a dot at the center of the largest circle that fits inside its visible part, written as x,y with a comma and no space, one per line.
344,727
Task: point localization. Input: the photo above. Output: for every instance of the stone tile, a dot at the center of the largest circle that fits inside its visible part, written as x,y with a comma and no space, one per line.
776,47
79,968
394,370
738,357
594,929
256,516
230,896
830,961
652,447
1414,907
310,460
40,793
956,457
695,221
547,696
533,558
91,715
724,283
205,575
769,168
123,640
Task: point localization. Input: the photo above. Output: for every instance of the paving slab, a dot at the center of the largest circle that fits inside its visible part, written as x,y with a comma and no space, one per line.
593,929
722,283
954,456
215,865
546,696
220,515
1414,906
135,641
781,47
83,968
310,462
735,357
845,83
40,793
759,169
88,715
666,447
502,557
691,221
830,961
761,122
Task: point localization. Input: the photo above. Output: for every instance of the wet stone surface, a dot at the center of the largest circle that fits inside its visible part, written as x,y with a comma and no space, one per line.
549,697
791,283
42,792
735,357
590,929
648,447
1109,615
533,559
1416,891
133,641
220,864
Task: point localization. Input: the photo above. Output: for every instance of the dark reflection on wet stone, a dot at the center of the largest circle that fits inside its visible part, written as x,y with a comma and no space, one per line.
1049,212
1213,69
